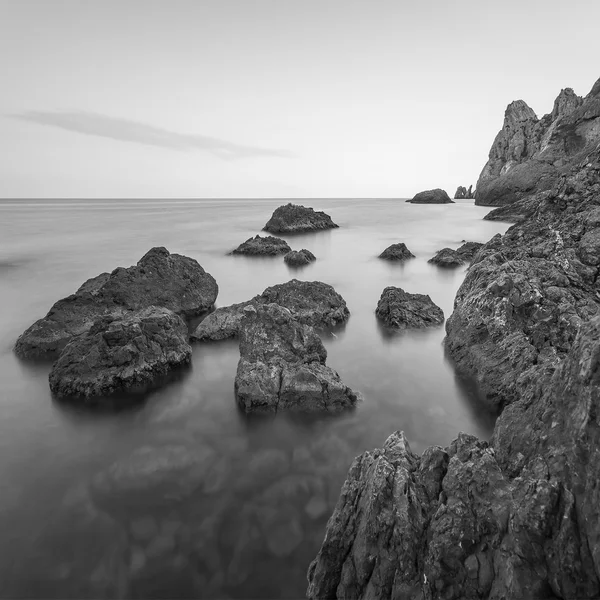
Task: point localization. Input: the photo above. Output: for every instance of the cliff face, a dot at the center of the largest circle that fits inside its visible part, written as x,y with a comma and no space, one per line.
530,154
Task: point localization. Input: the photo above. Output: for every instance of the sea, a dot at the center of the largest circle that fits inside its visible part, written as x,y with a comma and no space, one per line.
181,495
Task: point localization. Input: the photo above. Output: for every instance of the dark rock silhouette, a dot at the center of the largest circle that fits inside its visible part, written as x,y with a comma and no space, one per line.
401,310
262,246
299,258
295,218
437,196
397,252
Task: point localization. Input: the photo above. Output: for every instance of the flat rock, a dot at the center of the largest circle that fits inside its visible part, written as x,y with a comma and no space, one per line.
401,310
159,279
436,196
299,258
397,252
124,353
310,302
263,246
295,218
282,366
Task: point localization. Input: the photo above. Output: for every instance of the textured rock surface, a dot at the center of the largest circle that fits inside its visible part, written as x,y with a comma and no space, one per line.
449,258
262,246
396,252
282,366
299,258
310,302
437,196
529,154
401,310
162,279
295,218
462,193
121,353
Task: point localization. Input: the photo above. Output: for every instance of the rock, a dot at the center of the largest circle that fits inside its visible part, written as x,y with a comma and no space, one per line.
516,211
282,366
299,258
396,252
455,258
159,279
437,196
461,192
263,246
401,310
124,353
310,302
295,218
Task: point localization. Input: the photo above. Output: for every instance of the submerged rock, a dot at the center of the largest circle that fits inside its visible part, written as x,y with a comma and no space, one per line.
299,258
295,218
263,246
123,353
455,258
437,196
310,302
401,310
282,366
159,279
396,252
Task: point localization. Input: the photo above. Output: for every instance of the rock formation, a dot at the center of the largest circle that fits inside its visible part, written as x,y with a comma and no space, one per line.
124,353
282,366
401,310
262,246
462,193
437,196
159,279
310,302
449,258
299,258
295,218
530,154
397,252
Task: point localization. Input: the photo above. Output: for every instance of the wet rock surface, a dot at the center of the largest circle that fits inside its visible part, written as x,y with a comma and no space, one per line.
400,310
160,279
263,246
299,258
295,218
282,366
449,258
125,353
396,252
436,196
310,302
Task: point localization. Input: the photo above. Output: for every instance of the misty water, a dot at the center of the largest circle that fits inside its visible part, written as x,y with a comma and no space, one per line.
182,495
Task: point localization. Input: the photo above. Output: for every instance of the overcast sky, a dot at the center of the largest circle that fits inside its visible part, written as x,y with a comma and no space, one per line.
273,98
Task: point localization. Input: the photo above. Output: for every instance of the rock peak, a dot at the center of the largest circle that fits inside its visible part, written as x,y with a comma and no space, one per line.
566,102
595,91
518,110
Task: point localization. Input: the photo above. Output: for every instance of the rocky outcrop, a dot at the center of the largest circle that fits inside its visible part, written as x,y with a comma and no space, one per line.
449,258
400,310
310,302
397,252
437,196
161,279
299,258
530,154
462,193
282,366
262,246
125,353
295,218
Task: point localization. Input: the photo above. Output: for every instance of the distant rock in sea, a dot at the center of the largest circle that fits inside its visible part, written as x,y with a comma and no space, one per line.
262,246
299,258
396,252
295,218
400,310
462,193
437,196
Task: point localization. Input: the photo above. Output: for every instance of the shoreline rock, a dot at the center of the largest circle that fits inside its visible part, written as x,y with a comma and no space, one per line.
449,258
400,310
436,196
295,218
262,246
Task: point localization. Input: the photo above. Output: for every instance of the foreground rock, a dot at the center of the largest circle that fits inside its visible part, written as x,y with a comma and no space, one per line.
397,252
462,193
159,279
299,258
262,246
295,218
449,258
437,196
401,310
282,366
125,353
529,154
310,302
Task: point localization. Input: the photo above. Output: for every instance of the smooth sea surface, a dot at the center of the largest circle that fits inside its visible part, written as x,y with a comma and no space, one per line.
183,496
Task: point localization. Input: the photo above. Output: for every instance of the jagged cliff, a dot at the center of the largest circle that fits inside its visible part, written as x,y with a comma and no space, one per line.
530,154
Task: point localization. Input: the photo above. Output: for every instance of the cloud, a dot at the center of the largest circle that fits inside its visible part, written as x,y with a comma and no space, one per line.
126,130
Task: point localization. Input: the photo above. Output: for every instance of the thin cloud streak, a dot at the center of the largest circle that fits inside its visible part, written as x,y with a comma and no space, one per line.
126,130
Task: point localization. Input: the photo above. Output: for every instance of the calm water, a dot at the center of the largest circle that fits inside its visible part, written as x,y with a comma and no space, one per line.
184,496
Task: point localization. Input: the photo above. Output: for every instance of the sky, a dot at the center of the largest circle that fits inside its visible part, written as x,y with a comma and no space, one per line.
273,98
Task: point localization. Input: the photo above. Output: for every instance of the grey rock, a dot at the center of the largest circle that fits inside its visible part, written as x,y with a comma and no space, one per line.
295,218
401,310
455,258
262,246
397,252
299,258
436,196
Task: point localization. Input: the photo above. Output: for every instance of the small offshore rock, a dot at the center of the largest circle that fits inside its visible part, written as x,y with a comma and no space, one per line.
401,310
299,258
437,196
263,246
397,252
295,218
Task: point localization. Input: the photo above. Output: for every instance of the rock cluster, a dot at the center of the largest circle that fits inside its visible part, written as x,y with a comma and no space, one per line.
299,258
462,193
400,310
437,196
397,252
263,246
295,218
449,258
